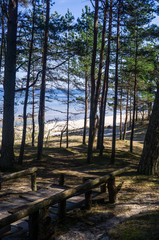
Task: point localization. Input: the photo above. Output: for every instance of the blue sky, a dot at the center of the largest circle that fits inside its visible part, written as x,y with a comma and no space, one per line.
75,6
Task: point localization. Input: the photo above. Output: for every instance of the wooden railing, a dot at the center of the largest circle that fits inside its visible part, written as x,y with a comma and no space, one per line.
38,211
30,171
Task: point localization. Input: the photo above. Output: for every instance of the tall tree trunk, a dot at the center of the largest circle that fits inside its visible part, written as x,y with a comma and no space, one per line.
20,160
105,87
9,88
116,88
86,108
149,163
134,103
92,107
68,103
126,115
98,84
136,113
2,36
130,104
33,116
121,108
43,86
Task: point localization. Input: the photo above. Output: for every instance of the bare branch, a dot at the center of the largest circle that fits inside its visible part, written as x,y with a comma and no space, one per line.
92,3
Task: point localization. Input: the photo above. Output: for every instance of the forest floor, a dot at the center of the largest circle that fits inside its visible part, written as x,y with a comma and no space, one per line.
135,215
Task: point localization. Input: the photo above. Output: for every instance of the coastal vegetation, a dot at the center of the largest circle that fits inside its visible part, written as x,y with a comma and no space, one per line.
104,61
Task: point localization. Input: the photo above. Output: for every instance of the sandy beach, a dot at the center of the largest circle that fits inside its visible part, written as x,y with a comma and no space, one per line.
54,128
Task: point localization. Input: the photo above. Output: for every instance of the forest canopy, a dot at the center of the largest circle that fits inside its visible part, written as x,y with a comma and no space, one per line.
105,60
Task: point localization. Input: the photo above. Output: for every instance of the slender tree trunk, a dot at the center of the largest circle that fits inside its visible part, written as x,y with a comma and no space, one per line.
134,103
98,85
136,114
9,88
86,108
116,89
68,104
2,37
121,108
33,116
20,160
92,107
149,163
130,110
126,115
105,88
41,117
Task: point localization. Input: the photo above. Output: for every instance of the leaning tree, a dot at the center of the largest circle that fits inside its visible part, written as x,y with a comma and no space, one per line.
149,163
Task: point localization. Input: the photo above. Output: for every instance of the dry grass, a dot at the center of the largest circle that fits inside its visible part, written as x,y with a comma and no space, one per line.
139,190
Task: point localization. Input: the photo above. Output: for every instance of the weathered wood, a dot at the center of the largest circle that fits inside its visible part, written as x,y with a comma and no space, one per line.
112,189
45,225
88,200
17,209
62,210
62,179
103,188
57,198
4,230
88,196
18,174
34,225
33,182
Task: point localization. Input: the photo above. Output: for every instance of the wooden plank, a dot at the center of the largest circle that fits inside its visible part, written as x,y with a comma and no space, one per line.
35,197
18,174
76,173
46,202
5,230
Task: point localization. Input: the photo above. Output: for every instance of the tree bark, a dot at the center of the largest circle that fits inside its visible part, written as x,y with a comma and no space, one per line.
2,37
86,108
121,108
9,88
126,115
130,110
33,116
20,160
149,163
134,103
43,85
105,87
68,103
92,107
116,89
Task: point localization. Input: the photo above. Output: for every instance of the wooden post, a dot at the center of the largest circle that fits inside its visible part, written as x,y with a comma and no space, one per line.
88,200
61,179
103,188
34,226
88,196
33,182
112,189
62,210
45,225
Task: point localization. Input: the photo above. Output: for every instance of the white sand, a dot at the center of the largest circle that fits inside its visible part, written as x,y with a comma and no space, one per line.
55,128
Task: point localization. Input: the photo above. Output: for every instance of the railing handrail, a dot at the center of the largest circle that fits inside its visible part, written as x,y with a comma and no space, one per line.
18,174
49,201
30,171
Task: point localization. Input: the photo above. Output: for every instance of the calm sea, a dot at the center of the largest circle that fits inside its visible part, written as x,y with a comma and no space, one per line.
55,105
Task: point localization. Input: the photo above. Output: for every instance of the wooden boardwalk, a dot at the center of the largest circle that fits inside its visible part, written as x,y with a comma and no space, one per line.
9,206
54,199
